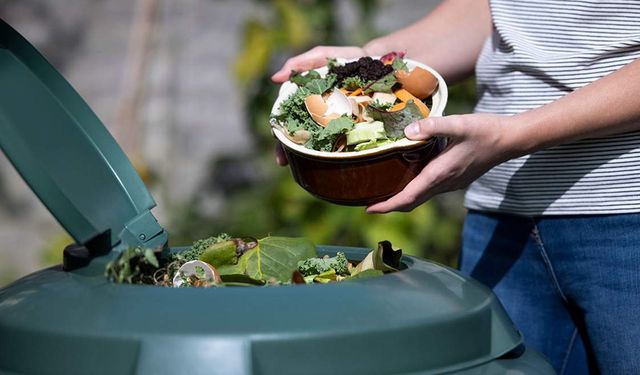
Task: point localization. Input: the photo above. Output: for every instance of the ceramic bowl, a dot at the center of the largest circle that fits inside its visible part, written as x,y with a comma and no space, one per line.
361,177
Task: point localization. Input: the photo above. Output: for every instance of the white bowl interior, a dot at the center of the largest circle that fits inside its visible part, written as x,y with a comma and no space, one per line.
439,102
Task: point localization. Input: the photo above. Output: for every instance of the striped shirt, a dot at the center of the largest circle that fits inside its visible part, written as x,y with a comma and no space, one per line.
539,51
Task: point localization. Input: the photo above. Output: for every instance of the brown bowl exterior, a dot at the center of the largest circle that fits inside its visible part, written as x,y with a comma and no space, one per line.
361,181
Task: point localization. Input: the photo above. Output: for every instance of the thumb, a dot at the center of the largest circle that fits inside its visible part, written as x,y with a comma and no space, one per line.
433,127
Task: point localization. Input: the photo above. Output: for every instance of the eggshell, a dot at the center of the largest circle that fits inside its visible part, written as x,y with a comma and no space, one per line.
324,110
419,82
189,268
315,104
384,98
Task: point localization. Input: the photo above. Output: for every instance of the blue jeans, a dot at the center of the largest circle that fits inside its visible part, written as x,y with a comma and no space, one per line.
570,283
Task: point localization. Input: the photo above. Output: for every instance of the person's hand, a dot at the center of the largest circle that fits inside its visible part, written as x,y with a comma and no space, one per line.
315,58
477,142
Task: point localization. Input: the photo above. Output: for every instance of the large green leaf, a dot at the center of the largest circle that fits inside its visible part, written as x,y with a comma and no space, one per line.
273,258
277,257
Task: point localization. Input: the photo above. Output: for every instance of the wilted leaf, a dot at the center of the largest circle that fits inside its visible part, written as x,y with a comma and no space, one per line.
326,277
384,258
220,254
151,257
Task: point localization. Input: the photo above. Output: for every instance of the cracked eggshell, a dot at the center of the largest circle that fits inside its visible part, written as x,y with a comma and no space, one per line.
189,268
384,98
324,110
419,82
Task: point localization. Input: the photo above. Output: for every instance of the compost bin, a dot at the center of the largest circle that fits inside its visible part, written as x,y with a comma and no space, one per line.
70,319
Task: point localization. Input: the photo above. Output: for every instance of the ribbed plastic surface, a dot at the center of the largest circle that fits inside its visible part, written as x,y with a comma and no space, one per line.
424,319
65,153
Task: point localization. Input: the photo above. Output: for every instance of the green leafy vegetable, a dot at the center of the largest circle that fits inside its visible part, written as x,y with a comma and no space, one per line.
302,80
326,137
295,114
384,84
366,132
399,64
395,122
353,83
379,105
371,144
320,85
331,62
220,254
315,266
199,247
273,258
135,265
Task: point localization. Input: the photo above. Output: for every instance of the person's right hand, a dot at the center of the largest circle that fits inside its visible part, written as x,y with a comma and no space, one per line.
315,58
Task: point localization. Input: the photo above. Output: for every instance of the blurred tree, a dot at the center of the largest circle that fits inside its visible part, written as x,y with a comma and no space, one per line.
267,200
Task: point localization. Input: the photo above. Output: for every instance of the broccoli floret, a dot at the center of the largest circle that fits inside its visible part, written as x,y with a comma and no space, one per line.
315,266
200,246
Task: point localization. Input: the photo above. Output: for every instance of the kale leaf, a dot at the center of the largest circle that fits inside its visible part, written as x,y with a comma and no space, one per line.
316,266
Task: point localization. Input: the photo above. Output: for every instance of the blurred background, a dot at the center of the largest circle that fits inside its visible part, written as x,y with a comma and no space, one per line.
184,87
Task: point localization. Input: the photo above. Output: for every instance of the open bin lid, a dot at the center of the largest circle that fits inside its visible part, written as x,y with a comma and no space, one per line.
66,155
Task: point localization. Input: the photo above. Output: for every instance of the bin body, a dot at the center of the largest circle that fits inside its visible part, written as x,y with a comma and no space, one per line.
424,319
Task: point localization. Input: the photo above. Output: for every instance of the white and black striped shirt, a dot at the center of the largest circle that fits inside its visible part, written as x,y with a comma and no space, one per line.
539,51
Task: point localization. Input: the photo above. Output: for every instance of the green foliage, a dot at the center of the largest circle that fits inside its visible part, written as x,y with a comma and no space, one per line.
200,246
315,266
353,83
275,258
325,138
384,84
135,265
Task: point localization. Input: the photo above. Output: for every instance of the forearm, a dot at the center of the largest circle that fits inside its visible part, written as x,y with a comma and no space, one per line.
607,106
449,38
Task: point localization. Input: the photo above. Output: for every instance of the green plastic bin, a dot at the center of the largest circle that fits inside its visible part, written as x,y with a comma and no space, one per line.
424,319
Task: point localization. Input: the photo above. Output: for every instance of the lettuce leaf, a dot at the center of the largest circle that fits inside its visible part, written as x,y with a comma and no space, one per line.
395,122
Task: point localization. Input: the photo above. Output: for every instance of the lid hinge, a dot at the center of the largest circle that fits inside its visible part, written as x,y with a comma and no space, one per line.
144,231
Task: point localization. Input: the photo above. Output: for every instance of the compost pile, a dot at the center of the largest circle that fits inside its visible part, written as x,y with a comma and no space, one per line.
357,106
225,261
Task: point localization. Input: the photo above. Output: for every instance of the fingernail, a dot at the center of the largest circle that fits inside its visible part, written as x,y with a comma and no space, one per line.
412,130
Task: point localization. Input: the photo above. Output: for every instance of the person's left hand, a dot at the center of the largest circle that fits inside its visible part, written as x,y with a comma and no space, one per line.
476,143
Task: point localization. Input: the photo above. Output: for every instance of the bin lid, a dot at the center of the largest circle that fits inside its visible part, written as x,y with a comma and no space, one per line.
423,319
66,155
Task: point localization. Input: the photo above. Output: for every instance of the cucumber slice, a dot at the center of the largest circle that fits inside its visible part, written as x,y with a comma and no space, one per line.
365,132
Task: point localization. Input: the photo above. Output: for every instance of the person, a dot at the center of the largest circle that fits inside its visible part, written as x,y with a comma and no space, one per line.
551,159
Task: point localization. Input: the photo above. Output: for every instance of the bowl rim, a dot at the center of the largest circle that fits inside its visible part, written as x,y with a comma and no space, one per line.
288,88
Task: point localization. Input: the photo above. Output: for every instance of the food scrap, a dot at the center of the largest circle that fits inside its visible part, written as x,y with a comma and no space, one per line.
357,106
225,261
